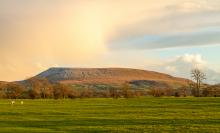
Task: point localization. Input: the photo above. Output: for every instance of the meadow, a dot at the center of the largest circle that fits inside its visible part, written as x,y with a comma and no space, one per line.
146,114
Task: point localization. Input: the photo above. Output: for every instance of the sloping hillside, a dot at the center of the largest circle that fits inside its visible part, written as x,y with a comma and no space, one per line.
108,76
3,82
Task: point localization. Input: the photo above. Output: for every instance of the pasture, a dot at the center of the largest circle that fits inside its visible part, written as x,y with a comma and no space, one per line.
145,114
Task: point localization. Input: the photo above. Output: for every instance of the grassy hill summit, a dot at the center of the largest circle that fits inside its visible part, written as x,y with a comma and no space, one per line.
105,75
110,76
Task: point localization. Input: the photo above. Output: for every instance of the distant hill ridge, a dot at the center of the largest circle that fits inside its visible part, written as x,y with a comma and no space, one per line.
105,75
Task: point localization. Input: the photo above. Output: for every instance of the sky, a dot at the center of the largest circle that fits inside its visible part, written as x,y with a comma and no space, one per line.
168,36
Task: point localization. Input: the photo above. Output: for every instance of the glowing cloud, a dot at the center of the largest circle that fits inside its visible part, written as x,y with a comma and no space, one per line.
74,32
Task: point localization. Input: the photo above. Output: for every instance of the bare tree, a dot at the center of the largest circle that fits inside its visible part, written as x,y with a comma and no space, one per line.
61,91
212,90
39,88
87,93
34,85
198,76
138,93
2,91
46,88
183,91
73,93
126,90
14,90
156,92
114,92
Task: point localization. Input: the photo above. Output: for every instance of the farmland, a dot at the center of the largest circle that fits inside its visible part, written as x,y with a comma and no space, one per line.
145,114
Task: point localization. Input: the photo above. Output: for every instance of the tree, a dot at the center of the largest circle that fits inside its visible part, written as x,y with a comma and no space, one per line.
156,92
87,93
13,91
39,88
126,90
104,93
182,91
34,93
114,93
46,88
198,76
206,92
177,94
61,91
169,91
138,93
73,93
2,91
212,90
34,88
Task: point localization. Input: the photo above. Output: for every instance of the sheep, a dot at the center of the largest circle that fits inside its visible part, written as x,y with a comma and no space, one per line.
12,102
22,102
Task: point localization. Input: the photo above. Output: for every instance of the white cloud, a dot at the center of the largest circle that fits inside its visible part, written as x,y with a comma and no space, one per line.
195,60
182,65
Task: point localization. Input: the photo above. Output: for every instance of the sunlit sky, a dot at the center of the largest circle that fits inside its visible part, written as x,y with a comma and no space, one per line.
170,36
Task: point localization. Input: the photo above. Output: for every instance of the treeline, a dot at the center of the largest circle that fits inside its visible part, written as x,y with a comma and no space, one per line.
207,91
42,89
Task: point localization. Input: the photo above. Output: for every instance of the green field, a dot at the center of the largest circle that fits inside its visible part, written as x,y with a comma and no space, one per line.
112,115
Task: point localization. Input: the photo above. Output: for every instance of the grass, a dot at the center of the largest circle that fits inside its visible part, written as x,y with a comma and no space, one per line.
112,115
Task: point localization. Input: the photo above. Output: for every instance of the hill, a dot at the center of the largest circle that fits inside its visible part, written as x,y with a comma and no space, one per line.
94,76
3,82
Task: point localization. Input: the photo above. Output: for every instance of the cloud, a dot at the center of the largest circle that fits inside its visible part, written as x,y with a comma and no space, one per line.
179,24
202,37
74,32
182,65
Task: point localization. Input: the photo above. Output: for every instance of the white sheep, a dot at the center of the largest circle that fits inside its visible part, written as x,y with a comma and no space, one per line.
22,102
12,102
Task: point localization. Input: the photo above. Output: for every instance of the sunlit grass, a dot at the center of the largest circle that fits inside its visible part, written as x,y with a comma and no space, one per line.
112,115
